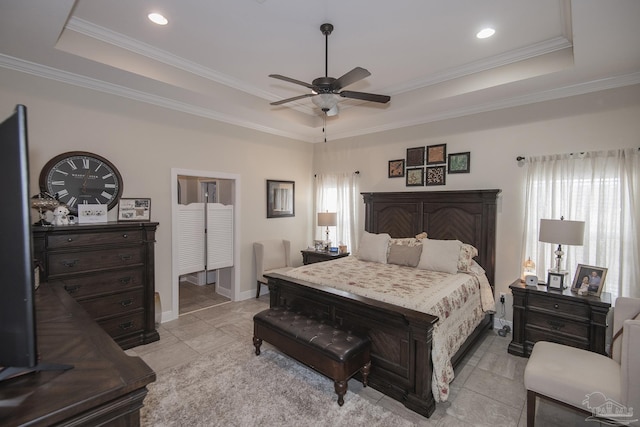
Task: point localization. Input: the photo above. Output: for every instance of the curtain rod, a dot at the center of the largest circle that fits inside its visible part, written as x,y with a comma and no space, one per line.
521,158
356,172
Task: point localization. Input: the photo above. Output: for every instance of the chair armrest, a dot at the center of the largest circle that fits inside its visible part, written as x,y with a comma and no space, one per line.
626,308
258,250
630,365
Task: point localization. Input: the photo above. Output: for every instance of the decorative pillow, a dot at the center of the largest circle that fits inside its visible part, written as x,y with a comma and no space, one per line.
404,255
373,247
440,255
405,241
422,235
467,253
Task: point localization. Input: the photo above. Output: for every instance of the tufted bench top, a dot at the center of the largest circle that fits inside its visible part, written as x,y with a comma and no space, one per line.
318,333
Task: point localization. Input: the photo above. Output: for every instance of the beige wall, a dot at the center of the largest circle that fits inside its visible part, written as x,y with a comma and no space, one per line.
145,142
608,119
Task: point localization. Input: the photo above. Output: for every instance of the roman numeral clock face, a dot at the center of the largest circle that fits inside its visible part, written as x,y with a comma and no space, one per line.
79,177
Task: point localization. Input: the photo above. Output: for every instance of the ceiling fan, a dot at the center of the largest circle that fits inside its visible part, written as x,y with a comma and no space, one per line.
325,91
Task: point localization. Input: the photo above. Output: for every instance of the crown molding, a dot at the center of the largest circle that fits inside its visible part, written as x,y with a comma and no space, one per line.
47,72
51,73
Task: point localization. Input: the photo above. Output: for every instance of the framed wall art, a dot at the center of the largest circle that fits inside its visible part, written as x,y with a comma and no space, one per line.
415,177
589,279
396,168
134,210
436,154
415,156
280,198
460,162
435,175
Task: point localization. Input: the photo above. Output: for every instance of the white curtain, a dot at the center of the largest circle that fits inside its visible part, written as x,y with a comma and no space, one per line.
338,192
600,188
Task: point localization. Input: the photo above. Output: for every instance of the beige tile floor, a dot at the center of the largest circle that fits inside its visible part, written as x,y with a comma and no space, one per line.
488,389
194,297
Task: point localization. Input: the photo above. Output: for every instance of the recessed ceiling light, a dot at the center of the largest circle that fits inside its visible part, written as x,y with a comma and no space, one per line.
157,18
485,32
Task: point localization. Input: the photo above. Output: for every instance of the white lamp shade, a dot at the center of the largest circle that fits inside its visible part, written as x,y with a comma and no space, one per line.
327,219
325,101
561,232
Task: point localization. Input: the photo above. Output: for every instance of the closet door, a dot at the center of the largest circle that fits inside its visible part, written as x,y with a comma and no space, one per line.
191,245
219,236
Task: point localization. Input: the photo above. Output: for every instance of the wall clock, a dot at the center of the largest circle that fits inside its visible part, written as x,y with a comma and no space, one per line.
79,177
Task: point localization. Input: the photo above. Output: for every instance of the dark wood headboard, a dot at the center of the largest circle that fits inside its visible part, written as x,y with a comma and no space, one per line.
467,215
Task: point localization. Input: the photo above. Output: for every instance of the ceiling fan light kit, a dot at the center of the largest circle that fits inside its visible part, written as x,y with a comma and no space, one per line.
325,91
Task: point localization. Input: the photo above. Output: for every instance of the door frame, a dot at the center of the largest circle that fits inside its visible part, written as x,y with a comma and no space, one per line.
175,276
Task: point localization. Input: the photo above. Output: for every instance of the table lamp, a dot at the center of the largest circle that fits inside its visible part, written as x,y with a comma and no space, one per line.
563,233
327,219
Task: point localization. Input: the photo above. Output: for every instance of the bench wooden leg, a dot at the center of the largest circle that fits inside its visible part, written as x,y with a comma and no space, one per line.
341,390
365,373
257,342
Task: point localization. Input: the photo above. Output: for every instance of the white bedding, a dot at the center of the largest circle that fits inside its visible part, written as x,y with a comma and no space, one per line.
459,300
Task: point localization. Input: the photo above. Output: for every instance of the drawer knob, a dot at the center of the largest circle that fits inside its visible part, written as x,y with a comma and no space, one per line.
72,289
556,306
69,240
125,280
125,257
125,235
125,326
126,302
555,325
70,263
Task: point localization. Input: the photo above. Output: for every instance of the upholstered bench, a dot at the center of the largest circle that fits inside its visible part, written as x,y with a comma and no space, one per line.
333,352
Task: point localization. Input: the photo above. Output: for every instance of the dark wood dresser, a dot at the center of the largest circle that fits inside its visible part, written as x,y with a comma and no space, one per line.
563,317
105,386
109,269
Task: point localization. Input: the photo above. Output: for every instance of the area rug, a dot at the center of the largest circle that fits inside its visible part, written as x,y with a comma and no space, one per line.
237,388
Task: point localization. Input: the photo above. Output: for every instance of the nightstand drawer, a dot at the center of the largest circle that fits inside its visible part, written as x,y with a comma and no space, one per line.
558,324
113,304
103,283
86,239
78,262
558,306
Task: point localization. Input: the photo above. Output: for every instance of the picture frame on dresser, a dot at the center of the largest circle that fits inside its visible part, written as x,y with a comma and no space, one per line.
589,277
555,281
134,209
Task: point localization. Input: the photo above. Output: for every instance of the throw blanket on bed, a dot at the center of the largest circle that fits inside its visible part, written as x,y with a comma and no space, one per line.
459,300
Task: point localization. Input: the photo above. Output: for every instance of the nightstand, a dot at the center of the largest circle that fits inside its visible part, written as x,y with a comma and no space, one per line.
310,256
562,317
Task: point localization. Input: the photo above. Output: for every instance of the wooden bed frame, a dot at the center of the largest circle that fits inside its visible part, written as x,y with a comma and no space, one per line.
401,364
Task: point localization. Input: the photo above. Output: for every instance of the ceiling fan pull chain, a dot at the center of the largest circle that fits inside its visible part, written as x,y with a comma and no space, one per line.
324,126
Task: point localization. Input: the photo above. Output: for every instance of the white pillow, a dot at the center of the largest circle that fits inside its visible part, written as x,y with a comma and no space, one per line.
440,255
373,247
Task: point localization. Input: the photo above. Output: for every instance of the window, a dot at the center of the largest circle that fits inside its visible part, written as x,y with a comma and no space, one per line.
600,188
339,193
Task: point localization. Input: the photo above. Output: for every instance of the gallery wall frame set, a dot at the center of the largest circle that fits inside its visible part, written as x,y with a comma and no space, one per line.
280,198
429,165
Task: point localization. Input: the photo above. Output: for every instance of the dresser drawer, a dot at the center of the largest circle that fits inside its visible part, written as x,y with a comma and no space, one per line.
130,323
102,282
558,324
78,262
558,306
86,239
113,305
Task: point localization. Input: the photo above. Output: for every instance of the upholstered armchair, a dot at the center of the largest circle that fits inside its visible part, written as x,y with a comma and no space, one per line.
271,256
592,383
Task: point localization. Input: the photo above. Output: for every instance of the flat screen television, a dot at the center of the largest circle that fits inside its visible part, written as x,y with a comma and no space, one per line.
17,311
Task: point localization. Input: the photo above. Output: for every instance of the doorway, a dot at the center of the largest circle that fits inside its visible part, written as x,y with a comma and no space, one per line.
208,287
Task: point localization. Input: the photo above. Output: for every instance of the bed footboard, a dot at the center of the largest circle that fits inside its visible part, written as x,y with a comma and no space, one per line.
401,365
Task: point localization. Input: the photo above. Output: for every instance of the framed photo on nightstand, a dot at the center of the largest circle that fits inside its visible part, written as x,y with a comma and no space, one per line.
555,281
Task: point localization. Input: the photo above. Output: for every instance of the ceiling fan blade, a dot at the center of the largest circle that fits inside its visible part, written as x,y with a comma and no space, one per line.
351,77
383,99
290,80
284,101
